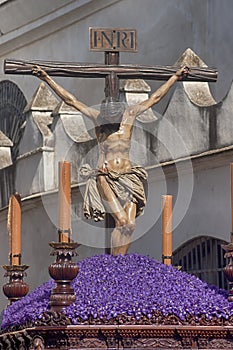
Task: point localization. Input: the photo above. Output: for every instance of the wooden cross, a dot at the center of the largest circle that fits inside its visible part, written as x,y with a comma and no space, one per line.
112,42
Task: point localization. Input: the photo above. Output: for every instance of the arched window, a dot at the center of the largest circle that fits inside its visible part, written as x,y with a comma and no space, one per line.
12,118
203,257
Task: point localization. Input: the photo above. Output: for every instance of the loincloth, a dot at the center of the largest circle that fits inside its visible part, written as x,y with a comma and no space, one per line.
128,187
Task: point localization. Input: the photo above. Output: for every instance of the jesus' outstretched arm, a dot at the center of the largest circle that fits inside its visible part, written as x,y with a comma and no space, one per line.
66,96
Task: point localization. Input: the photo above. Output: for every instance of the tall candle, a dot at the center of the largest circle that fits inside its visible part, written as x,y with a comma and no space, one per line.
14,228
64,220
167,229
231,202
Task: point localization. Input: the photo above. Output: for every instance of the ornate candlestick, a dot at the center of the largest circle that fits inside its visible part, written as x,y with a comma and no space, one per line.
228,270
63,271
16,288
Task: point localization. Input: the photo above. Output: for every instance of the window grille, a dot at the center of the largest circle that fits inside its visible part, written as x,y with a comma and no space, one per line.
203,257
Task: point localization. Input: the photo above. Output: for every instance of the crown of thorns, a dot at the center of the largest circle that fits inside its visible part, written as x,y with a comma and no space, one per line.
111,107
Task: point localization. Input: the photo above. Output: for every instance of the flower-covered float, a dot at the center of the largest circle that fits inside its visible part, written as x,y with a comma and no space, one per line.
129,301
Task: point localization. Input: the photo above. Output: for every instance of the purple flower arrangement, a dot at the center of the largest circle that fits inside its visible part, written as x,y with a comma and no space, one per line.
133,285
29,308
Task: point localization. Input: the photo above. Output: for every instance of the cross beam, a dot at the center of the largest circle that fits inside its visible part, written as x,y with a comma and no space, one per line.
89,70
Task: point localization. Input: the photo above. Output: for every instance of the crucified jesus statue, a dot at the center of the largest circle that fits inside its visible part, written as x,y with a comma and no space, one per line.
116,186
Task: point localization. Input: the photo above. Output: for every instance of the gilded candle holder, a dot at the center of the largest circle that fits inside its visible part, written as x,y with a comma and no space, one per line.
63,271
16,288
228,269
